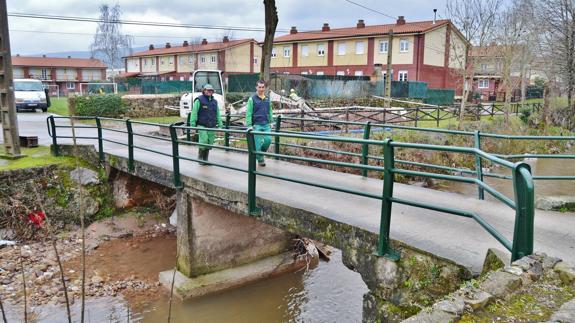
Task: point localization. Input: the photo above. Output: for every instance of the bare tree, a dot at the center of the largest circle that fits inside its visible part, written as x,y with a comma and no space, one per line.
109,42
271,19
475,20
557,38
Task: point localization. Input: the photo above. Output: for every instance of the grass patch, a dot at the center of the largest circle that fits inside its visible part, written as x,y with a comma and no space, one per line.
35,157
59,106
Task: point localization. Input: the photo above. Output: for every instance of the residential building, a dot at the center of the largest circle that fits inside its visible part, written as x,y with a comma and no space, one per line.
179,62
422,51
63,75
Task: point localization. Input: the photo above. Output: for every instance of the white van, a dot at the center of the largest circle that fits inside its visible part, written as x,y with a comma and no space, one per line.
30,94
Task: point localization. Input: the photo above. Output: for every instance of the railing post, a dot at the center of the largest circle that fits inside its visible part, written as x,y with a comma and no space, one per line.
277,138
384,249
416,115
188,130
227,126
365,147
100,140
252,207
55,149
438,118
492,109
478,164
175,157
302,115
130,146
524,212
347,120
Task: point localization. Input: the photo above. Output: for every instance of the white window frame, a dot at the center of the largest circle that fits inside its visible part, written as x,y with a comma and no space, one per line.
287,51
72,87
191,59
44,73
182,78
171,60
255,60
153,61
340,73
341,49
403,45
383,46
171,78
203,59
482,85
402,76
320,49
358,73
213,58
181,60
304,50
484,67
359,48
319,73
274,53
304,73
162,61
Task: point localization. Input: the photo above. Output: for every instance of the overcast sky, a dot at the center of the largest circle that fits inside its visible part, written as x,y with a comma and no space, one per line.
305,14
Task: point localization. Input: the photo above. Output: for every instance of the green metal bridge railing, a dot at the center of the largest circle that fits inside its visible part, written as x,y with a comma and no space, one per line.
522,202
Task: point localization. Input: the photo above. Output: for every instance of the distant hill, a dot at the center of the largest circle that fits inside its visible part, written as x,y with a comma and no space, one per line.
86,54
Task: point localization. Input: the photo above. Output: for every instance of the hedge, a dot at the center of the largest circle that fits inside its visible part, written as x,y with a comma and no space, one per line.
102,105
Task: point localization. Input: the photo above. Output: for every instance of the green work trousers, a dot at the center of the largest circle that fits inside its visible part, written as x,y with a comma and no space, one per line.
206,137
262,141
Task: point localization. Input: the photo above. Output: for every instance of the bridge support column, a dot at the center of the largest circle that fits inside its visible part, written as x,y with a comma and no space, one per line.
219,249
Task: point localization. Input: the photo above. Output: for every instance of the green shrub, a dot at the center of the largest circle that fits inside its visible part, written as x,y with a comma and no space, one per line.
524,114
106,105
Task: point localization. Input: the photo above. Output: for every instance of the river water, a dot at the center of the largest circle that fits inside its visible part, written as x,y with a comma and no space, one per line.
541,166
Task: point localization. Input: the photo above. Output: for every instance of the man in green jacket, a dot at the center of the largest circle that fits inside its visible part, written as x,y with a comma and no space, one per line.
259,115
205,114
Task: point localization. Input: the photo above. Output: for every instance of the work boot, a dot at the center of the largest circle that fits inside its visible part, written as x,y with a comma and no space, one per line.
201,155
262,163
206,155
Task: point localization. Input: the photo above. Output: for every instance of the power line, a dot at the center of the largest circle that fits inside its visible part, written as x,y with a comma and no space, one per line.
92,34
370,9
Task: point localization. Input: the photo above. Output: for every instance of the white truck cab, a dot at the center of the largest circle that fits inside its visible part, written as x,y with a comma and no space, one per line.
199,78
30,94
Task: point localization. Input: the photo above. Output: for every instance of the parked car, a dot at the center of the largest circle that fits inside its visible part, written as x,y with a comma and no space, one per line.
30,94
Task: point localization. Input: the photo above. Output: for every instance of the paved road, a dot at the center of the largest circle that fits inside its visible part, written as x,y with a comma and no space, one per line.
449,236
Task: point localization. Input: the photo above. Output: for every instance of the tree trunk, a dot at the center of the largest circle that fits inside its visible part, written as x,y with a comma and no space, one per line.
271,20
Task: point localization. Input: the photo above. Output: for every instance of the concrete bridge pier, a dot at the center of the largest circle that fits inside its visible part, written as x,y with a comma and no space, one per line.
219,249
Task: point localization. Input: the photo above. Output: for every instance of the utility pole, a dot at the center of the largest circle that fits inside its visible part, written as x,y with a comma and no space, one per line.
7,105
388,75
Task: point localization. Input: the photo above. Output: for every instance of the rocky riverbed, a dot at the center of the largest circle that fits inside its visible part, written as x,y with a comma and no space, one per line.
117,250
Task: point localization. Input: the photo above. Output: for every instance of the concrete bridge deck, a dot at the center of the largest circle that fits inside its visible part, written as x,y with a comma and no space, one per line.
449,236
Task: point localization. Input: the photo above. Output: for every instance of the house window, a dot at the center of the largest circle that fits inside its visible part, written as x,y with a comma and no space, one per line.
153,61
162,62
44,74
255,60
305,50
341,49
358,73
319,73
359,48
320,50
403,46
171,60
287,52
202,59
171,78
402,76
213,58
383,45
304,73
340,73
190,59
71,85
146,62
182,78
182,60
274,53
484,67
483,84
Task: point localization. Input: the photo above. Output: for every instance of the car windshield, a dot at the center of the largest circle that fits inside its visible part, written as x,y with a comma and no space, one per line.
28,86
213,78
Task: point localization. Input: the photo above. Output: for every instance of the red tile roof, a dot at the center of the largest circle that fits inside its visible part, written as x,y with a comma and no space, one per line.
57,62
407,28
192,48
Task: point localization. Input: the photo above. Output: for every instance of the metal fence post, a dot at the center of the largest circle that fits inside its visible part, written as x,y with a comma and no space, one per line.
130,146
416,115
55,148
227,134
524,212
100,141
438,118
252,207
175,157
277,138
365,147
478,164
384,249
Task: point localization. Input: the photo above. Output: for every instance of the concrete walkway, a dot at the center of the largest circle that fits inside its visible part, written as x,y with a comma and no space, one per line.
456,238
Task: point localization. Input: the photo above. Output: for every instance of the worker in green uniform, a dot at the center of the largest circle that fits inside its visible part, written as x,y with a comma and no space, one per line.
259,115
205,114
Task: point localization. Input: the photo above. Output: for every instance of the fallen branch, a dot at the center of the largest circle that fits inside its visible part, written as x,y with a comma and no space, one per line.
3,314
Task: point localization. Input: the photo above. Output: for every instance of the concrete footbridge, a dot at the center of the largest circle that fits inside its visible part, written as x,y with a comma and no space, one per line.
377,222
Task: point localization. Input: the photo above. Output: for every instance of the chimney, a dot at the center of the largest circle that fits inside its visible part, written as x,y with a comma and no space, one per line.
360,23
204,41
293,30
434,15
168,45
17,55
69,56
400,20
226,39
325,27
186,44
44,55
151,47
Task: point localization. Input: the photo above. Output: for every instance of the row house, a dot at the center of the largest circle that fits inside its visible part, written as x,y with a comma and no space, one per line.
427,51
63,75
179,62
